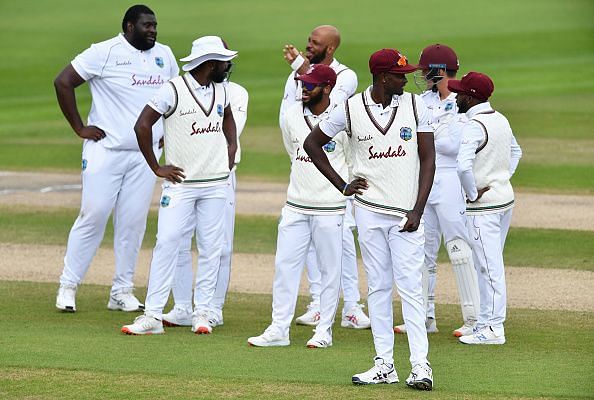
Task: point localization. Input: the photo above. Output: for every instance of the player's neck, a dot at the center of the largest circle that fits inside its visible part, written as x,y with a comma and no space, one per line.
319,107
442,88
201,76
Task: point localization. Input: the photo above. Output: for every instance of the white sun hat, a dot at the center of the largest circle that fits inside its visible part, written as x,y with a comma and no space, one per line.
207,48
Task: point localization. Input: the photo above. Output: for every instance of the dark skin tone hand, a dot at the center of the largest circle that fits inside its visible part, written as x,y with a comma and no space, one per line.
481,192
65,83
144,134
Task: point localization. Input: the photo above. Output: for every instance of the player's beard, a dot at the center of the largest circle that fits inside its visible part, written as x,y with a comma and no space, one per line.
218,76
142,42
313,100
318,58
462,104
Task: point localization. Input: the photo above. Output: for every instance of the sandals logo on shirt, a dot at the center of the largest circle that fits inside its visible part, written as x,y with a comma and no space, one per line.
165,201
159,62
330,146
220,110
405,133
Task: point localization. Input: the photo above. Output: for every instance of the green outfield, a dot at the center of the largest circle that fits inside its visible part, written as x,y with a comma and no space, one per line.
540,56
84,356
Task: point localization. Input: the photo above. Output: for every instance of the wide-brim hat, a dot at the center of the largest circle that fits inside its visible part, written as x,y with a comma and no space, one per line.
207,48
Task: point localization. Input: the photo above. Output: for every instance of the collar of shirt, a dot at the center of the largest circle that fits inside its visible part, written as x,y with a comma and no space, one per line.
479,108
203,90
380,107
324,115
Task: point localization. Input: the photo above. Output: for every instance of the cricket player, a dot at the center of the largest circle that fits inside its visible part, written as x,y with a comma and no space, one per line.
488,157
313,214
445,212
181,314
321,47
393,154
123,74
200,147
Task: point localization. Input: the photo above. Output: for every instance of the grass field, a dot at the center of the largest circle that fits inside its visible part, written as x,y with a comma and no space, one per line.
52,355
540,55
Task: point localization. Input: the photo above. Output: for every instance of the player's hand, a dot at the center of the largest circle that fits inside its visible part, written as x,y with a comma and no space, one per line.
481,192
413,220
290,53
357,186
91,132
170,173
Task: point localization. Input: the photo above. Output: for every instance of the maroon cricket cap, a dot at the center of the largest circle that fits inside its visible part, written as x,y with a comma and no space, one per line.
390,60
439,56
474,84
319,74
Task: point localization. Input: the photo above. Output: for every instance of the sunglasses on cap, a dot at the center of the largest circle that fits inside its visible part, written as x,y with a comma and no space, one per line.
311,86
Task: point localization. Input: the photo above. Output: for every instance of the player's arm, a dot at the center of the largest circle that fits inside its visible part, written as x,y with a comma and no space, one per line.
230,134
516,154
65,83
144,135
426,151
313,146
472,137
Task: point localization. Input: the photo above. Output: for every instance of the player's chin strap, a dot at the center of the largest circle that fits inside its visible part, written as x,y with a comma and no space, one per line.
461,257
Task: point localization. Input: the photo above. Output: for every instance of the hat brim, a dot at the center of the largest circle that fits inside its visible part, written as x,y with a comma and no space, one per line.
310,79
221,53
196,61
456,86
407,69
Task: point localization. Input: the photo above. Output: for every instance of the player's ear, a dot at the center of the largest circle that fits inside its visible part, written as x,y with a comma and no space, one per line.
327,89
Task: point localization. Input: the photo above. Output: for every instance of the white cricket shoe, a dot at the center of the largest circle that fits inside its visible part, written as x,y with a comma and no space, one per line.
466,329
430,324
355,318
144,325
270,338
200,324
421,377
485,335
311,317
379,373
319,341
215,318
66,298
124,300
178,316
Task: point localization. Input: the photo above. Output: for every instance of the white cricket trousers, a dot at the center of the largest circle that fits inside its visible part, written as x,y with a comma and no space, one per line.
488,233
444,214
118,180
182,287
205,208
295,233
350,274
391,256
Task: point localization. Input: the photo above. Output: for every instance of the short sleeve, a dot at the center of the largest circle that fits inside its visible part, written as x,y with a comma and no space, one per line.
424,115
90,63
163,101
336,121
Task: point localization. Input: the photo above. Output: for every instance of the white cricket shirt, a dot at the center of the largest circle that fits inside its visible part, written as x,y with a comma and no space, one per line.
122,79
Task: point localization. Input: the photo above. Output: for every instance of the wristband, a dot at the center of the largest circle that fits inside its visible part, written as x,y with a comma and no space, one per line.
297,62
344,188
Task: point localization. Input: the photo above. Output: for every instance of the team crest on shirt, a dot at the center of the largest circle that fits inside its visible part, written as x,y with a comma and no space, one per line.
330,146
449,106
165,201
405,133
159,62
220,110
84,164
